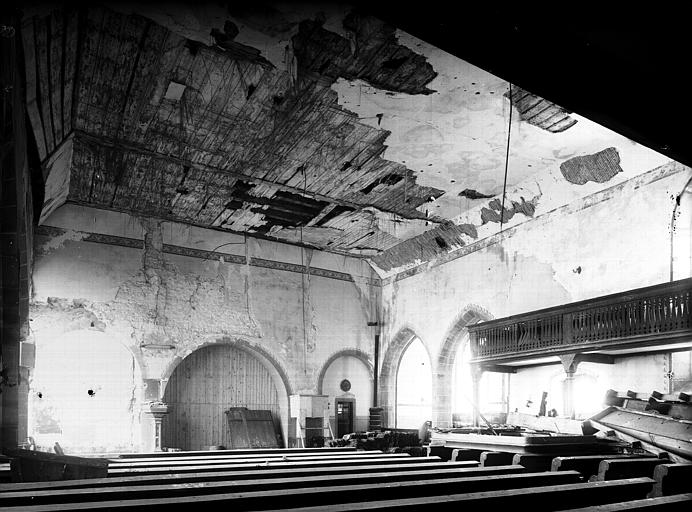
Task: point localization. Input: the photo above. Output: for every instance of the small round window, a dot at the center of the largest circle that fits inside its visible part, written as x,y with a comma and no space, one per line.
345,385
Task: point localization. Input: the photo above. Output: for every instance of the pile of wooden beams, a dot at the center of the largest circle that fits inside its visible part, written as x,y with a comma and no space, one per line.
340,479
677,406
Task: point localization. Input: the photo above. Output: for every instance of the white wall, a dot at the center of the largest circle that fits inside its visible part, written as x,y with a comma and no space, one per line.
616,240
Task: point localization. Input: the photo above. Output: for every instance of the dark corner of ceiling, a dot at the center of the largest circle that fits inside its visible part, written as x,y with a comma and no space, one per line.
38,185
623,69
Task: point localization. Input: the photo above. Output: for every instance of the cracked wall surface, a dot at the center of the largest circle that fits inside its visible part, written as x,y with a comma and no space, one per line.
617,243
160,306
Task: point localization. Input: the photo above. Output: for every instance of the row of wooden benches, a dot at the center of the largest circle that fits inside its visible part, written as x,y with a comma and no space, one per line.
332,480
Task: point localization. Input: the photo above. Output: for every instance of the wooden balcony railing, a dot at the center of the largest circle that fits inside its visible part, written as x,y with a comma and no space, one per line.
649,316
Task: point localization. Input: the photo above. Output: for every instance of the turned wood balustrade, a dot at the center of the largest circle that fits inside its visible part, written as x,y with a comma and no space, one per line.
650,316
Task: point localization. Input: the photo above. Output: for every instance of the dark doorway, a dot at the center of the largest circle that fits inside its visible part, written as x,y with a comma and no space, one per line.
344,416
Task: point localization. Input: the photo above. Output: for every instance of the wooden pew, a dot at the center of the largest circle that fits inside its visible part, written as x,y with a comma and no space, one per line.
671,479
496,458
468,468
214,461
313,489
156,461
466,454
587,465
533,462
536,499
32,466
196,468
676,502
614,469
241,451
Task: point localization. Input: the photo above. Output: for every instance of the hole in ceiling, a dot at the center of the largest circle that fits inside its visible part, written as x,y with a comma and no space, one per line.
441,242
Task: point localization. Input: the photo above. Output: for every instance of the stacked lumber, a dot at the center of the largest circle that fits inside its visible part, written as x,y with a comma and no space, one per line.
676,406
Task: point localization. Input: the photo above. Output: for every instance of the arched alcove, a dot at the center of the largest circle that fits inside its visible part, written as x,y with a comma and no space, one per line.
454,343
208,382
414,393
84,394
354,367
387,382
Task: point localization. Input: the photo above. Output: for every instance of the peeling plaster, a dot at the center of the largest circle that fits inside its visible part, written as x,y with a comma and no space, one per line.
58,241
599,167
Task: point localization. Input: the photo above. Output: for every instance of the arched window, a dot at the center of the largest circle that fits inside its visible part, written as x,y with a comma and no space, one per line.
414,387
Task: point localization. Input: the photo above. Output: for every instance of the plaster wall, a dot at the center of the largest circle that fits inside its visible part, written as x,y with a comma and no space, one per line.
616,240
161,306
360,377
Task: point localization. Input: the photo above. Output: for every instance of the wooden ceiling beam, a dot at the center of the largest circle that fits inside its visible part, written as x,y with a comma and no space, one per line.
130,147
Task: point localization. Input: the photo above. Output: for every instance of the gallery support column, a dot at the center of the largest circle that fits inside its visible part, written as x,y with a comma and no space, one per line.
569,363
476,374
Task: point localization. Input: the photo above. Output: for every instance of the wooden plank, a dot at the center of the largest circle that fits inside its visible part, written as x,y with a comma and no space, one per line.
249,460
43,81
496,458
254,451
55,71
365,483
614,469
671,479
213,379
203,456
196,468
33,466
587,465
32,102
253,473
681,502
533,462
537,499
71,27
253,495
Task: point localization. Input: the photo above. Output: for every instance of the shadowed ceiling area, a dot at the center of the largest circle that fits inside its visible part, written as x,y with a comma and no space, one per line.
320,125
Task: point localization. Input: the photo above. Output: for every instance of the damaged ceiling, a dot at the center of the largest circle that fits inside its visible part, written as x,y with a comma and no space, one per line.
320,125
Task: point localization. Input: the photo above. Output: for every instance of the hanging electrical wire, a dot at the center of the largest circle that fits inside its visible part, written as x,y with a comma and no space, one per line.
302,281
504,183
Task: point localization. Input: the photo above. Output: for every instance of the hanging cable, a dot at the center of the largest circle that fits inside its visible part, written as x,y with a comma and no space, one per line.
302,281
504,183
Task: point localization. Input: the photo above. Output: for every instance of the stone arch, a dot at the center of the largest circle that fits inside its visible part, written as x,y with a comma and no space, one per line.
86,384
277,372
443,370
352,352
51,321
388,370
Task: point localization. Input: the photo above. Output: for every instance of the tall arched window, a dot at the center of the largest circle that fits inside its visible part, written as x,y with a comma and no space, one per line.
493,392
414,387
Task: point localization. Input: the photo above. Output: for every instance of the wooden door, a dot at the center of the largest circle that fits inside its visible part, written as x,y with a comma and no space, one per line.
206,384
344,417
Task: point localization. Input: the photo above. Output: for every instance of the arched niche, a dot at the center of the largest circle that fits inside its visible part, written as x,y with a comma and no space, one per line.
211,379
353,366
414,393
386,394
84,394
454,343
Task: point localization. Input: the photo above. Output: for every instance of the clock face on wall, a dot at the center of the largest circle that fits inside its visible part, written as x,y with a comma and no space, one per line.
345,385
